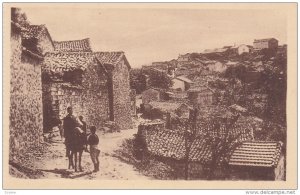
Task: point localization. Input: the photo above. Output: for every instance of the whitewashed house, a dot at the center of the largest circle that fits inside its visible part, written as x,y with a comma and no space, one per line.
181,83
240,49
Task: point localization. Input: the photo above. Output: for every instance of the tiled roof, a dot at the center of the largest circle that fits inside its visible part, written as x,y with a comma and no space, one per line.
172,145
257,154
200,89
67,61
73,46
165,106
263,40
33,31
182,78
109,57
60,62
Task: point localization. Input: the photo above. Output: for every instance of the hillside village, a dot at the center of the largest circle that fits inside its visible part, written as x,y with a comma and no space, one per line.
215,115
235,92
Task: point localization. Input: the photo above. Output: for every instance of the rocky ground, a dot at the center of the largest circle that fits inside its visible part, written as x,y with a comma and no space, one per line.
53,163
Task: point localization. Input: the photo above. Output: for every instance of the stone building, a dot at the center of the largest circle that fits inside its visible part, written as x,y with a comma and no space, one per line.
181,83
270,43
184,58
215,66
155,94
69,73
47,76
240,49
95,84
26,114
200,95
257,160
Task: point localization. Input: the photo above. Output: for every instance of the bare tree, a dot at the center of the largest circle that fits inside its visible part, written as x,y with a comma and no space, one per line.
221,143
220,135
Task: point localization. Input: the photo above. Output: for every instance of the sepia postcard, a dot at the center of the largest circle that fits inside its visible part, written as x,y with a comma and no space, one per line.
150,96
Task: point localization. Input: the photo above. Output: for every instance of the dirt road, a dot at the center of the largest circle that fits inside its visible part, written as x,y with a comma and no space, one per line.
54,163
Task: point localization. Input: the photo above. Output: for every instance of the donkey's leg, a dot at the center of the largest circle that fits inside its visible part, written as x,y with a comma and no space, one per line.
75,153
79,158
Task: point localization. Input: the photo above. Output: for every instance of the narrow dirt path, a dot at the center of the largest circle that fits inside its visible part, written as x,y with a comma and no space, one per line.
54,163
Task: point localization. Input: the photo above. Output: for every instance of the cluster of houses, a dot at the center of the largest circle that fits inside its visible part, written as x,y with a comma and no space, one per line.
203,64
165,139
48,76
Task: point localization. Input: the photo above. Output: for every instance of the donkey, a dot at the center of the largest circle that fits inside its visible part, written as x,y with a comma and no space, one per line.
77,144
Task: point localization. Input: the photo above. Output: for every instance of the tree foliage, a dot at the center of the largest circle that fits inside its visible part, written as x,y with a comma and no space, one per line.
137,80
159,80
140,79
239,72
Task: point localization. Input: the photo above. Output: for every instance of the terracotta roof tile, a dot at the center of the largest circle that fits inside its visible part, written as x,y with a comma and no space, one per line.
199,88
109,57
73,46
172,145
60,62
165,106
33,31
257,154
65,61
182,78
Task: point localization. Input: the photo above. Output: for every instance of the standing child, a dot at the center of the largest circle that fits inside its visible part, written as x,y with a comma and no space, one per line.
93,141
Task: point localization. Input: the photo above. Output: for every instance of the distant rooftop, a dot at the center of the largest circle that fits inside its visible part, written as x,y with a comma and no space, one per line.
73,46
264,40
182,78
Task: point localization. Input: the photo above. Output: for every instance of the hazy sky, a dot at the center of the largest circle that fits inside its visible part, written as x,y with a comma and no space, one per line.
148,35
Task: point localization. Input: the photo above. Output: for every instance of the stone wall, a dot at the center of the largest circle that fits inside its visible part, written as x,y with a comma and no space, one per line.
56,98
121,96
195,170
95,99
45,43
26,119
133,102
89,100
251,173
